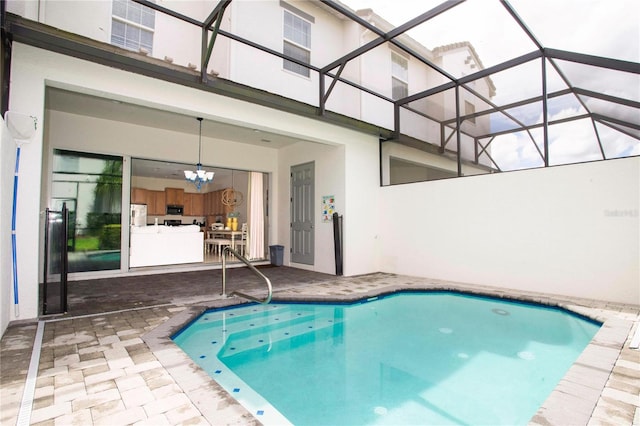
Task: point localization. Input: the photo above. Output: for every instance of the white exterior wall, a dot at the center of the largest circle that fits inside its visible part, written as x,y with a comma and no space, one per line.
176,39
344,99
23,8
362,187
329,166
403,152
95,22
350,173
262,22
568,230
421,78
458,64
33,69
27,97
419,127
173,38
375,68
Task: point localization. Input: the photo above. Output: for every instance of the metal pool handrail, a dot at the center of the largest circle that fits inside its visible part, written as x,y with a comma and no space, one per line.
253,268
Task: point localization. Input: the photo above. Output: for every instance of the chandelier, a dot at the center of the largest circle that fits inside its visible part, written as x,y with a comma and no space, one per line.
199,177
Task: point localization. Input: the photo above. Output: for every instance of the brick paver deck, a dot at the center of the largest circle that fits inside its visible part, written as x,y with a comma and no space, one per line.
110,361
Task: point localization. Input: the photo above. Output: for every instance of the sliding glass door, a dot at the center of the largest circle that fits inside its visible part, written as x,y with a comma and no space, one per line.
91,187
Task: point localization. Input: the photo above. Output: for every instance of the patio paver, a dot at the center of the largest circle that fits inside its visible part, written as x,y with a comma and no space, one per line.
120,368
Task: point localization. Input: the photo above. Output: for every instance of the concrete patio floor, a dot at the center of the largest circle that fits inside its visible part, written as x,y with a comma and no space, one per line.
110,359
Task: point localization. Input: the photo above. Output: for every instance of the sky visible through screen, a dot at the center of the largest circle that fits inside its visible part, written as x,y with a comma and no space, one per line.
606,28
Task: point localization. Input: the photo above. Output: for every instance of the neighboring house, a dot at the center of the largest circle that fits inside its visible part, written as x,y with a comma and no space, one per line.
391,71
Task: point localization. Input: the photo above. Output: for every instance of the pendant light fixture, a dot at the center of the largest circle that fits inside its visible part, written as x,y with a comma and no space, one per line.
199,177
231,197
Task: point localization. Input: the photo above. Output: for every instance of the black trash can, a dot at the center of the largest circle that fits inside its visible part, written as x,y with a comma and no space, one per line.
276,254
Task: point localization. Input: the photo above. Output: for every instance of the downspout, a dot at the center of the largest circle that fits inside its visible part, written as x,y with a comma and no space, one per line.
5,61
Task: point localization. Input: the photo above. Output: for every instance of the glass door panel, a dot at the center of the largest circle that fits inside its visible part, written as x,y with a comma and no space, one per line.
91,186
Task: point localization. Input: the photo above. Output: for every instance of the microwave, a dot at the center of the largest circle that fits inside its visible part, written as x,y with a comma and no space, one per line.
173,209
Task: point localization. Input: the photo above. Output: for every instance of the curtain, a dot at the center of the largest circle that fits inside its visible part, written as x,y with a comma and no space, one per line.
255,235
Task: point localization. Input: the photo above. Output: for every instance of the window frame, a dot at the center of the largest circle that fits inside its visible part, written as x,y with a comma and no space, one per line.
404,82
290,66
470,109
126,22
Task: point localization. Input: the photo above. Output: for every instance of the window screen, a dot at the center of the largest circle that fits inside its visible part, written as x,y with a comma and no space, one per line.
297,43
399,77
132,26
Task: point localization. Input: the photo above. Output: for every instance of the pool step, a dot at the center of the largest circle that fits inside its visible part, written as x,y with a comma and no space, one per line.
267,335
251,324
237,319
231,320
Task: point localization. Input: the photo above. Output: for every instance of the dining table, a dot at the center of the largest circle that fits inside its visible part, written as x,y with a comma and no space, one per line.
225,233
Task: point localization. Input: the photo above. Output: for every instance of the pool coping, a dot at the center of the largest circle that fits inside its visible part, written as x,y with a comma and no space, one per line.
573,401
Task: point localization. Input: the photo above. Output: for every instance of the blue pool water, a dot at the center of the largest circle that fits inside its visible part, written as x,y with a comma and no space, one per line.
409,358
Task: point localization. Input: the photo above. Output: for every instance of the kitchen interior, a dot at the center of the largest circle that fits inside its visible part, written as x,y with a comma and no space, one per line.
172,220
79,176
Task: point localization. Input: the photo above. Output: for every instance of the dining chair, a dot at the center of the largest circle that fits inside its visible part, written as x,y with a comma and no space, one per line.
215,243
209,244
241,244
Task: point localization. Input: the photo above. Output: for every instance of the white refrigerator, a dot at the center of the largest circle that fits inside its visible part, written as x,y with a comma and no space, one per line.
138,215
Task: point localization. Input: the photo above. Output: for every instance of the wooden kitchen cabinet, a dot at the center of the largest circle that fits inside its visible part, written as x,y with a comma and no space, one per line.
174,196
197,204
207,203
156,203
138,196
193,204
213,205
155,200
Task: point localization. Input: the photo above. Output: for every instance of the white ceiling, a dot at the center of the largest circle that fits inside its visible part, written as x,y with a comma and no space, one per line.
167,170
109,109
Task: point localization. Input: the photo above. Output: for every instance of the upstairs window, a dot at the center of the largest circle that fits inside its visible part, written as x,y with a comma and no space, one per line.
297,43
132,26
470,109
399,77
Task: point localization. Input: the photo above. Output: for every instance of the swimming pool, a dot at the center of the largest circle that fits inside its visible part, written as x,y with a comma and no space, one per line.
407,358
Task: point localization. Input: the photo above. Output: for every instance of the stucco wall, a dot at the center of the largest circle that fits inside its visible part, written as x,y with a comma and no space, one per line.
33,69
264,22
361,222
570,230
329,180
556,230
403,152
97,20
350,173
